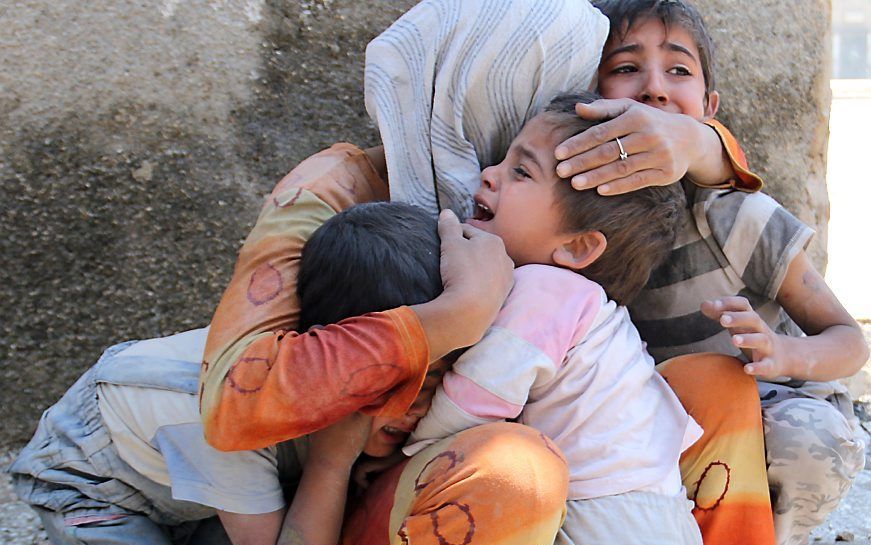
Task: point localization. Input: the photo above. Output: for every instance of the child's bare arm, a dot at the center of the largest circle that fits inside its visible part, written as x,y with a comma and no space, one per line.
663,147
261,529
315,515
834,348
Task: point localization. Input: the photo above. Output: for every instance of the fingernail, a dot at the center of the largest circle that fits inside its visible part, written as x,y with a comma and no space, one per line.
604,189
749,369
562,170
561,153
579,182
726,320
738,340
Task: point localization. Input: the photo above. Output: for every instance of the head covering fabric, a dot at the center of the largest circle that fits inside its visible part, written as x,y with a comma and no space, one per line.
452,82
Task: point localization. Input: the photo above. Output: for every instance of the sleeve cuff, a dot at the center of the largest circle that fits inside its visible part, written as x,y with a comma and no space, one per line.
744,179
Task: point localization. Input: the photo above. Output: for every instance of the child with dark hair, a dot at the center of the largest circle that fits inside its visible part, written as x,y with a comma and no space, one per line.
121,457
563,356
738,282
391,258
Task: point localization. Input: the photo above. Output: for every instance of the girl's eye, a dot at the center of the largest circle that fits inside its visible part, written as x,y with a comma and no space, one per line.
624,69
680,71
522,173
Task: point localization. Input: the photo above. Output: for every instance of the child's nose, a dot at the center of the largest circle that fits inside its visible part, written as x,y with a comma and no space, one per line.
654,92
489,178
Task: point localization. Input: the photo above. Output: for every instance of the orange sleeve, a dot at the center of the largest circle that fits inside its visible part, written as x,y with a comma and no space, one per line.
284,385
260,385
744,179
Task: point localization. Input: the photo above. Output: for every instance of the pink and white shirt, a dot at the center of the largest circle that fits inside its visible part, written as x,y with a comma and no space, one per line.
563,358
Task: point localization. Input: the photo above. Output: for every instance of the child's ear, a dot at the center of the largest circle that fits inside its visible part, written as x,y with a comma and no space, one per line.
713,103
581,250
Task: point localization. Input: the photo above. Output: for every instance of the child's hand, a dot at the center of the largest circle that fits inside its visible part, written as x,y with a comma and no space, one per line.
338,446
661,147
751,334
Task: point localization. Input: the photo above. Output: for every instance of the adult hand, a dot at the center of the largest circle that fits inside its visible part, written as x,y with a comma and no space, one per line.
662,146
765,348
475,270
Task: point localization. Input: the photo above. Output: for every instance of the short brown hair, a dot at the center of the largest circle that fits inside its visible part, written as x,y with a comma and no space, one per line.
640,226
624,14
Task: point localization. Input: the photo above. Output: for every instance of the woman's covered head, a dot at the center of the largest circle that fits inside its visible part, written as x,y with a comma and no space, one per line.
451,83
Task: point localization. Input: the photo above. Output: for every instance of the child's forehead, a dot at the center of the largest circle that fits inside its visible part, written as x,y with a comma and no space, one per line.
649,25
542,131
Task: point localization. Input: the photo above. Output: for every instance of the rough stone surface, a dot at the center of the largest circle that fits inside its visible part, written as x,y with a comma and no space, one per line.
773,66
138,138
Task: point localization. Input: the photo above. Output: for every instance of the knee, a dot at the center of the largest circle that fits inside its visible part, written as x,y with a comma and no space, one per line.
501,461
811,439
714,389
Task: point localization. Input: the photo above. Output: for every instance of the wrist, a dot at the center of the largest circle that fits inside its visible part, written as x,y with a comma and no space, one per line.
709,165
792,362
445,331
334,469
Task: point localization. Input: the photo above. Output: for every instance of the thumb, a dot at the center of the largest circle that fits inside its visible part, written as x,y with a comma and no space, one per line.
603,108
449,226
763,367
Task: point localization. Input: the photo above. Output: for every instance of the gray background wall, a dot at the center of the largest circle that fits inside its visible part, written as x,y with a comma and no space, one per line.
137,139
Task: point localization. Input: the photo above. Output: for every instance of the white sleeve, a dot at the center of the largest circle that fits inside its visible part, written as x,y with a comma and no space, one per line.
547,312
243,482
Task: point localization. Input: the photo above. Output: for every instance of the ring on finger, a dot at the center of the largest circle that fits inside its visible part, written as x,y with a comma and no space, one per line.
623,154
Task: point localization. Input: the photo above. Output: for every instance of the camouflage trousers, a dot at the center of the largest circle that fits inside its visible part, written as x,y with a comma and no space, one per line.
813,453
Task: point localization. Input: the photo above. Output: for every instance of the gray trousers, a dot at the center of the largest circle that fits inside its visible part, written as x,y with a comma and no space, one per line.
131,529
813,453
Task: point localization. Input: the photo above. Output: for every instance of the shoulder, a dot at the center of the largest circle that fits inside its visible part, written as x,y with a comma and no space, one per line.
548,279
727,213
341,176
551,303
553,291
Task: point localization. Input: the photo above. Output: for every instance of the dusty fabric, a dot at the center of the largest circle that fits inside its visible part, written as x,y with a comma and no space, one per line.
451,83
730,243
499,484
724,471
813,453
633,518
262,383
566,360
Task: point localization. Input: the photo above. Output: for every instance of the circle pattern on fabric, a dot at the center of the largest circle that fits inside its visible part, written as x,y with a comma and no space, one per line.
712,486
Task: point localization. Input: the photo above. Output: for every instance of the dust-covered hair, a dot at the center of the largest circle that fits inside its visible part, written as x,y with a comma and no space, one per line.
639,226
368,258
624,14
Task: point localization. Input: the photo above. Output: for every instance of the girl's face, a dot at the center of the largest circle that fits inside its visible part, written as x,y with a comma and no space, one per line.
659,67
389,434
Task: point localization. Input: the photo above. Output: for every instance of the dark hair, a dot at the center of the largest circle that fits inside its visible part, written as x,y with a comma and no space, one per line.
624,14
640,226
368,258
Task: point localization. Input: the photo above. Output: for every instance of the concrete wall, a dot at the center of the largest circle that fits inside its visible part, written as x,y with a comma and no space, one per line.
139,137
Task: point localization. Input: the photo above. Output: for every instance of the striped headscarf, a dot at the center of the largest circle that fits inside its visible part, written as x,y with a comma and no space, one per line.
451,83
